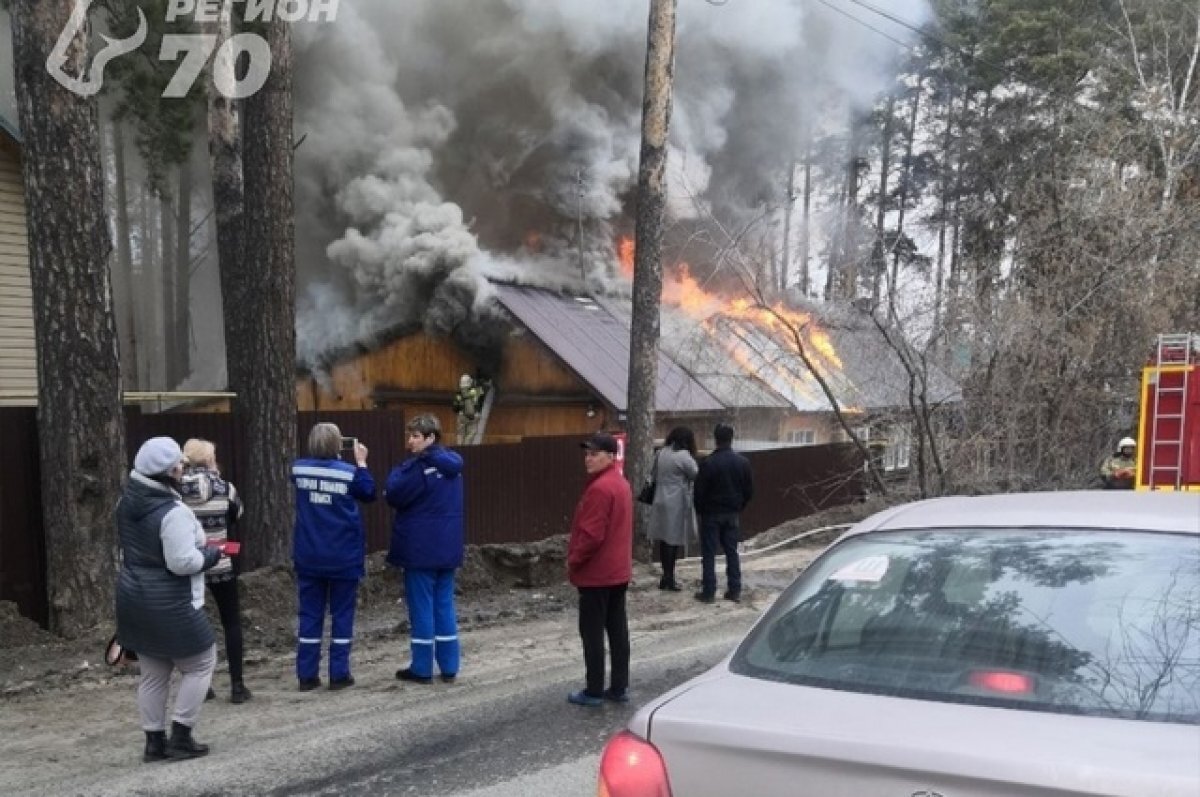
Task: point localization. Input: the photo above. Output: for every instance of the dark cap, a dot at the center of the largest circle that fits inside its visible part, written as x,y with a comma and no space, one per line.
601,441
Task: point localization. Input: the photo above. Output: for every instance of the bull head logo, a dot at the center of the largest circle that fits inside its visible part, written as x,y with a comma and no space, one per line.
92,79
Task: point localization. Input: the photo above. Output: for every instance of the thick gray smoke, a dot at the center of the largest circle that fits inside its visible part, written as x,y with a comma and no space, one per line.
447,142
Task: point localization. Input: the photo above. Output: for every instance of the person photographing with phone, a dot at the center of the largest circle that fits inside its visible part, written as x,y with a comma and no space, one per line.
329,547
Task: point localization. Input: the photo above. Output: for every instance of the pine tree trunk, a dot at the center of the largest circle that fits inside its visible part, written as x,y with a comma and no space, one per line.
910,138
166,264
879,250
647,267
806,214
262,366
181,335
848,288
123,274
81,430
785,259
225,164
146,298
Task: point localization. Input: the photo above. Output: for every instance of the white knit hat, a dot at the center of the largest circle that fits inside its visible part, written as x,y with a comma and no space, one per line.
157,455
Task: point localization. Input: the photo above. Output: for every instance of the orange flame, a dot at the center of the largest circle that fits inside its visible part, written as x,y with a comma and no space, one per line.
781,323
625,256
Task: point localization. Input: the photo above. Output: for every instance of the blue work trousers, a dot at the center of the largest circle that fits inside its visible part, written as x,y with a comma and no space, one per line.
434,624
338,595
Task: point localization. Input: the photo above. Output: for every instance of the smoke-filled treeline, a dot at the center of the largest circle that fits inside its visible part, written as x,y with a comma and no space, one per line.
444,143
451,142
1012,183
1024,203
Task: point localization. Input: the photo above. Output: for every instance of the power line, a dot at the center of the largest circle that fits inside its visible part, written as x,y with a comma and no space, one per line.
889,16
925,33
867,25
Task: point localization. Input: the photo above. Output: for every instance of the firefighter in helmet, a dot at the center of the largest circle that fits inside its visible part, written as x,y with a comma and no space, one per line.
468,403
1117,471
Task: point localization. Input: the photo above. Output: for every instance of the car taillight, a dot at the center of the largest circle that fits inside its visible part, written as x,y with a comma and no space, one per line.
632,767
1012,683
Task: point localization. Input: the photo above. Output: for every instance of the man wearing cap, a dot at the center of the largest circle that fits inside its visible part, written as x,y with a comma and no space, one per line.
600,566
160,598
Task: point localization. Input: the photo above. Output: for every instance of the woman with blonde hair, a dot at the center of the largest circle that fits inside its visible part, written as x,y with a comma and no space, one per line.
218,507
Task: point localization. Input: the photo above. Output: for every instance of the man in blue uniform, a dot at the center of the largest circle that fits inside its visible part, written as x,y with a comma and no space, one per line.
426,490
328,551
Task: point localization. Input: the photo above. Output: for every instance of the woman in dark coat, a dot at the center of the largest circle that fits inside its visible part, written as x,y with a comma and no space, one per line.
160,598
672,518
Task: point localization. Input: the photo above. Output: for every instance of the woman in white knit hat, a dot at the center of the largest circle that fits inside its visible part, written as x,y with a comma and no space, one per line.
160,598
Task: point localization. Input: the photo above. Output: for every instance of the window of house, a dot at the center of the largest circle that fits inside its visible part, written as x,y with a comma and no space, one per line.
899,450
802,437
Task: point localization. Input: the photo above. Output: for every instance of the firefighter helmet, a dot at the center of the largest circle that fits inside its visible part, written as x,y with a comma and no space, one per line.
1127,442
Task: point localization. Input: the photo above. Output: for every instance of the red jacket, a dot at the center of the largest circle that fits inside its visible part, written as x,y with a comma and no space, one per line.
600,551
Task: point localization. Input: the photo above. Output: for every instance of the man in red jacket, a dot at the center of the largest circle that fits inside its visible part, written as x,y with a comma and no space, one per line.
600,565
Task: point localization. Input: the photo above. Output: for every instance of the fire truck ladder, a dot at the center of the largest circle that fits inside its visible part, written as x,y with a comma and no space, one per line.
1173,354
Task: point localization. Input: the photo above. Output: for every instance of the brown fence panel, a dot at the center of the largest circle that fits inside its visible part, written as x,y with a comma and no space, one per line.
22,540
794,482
515,492
521,492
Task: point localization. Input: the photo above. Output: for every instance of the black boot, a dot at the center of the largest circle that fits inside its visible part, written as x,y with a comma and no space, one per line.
156,746
239,693
182,745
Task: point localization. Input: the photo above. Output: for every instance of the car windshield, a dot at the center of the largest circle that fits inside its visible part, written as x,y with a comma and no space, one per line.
1104,623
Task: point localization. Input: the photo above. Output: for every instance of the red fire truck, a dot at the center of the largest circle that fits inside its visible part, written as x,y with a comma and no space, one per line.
1168,451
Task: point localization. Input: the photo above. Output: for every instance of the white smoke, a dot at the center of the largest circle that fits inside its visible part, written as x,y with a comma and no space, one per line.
446,142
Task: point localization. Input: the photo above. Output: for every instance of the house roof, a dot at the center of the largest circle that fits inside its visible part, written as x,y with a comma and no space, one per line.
745,365
709,363
594,343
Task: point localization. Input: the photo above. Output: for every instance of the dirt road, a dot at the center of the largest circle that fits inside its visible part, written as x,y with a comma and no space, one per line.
78,734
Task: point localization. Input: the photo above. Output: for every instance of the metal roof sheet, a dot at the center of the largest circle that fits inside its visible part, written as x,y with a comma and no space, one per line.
708,361
594,344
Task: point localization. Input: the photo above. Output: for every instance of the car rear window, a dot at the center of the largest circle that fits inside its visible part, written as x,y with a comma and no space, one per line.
1104,623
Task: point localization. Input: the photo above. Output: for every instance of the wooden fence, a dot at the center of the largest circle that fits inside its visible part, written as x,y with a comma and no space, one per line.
514,492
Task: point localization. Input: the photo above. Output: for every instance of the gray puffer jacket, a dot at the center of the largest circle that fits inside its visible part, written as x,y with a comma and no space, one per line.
160,592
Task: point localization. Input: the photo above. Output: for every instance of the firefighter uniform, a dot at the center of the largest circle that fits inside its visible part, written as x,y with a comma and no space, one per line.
468,404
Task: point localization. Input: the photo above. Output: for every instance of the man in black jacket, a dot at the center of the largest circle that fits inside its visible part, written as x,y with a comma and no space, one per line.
723,488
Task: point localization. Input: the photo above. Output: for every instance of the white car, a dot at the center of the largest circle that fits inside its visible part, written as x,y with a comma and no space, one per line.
1024,645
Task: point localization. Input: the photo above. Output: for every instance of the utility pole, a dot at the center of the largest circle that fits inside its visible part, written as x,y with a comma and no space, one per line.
647,263
579,225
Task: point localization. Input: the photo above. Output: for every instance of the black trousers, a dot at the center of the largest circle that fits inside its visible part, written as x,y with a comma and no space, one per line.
225,593
668,555
720,531
601,612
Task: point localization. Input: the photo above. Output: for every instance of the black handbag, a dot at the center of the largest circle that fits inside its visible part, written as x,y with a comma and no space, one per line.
646,496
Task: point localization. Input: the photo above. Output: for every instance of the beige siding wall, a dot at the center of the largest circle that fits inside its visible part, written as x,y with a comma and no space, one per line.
18,366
